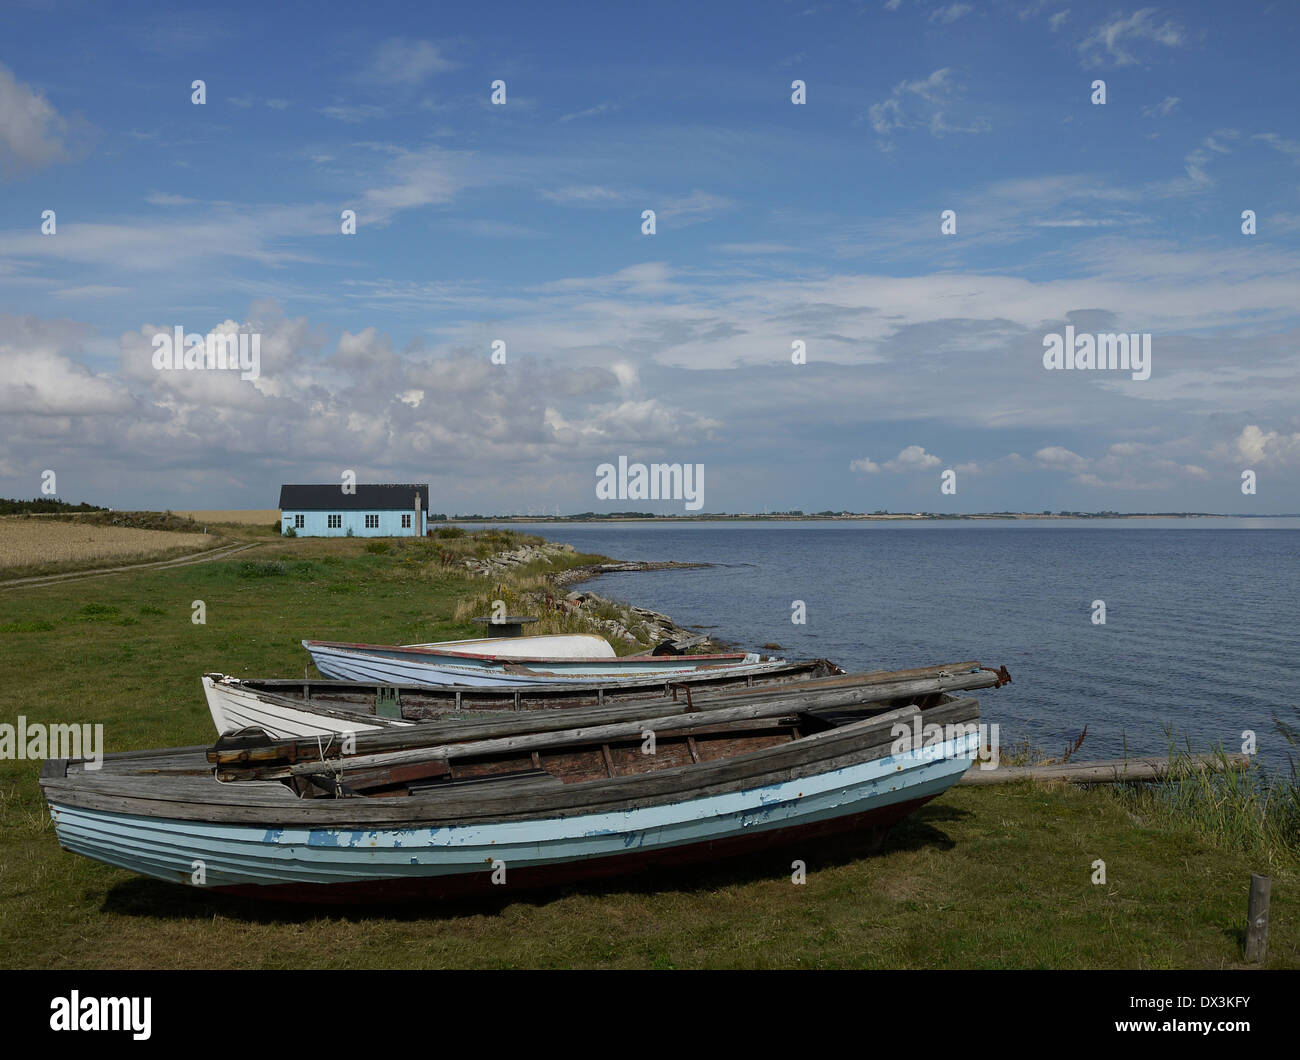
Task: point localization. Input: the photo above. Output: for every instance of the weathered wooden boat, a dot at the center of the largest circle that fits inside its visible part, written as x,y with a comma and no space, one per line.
518,801
288,708
509,661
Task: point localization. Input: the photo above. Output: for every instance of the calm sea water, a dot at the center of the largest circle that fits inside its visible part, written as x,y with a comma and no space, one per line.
1202,626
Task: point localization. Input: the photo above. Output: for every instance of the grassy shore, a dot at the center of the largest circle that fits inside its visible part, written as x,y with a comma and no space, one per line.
982,877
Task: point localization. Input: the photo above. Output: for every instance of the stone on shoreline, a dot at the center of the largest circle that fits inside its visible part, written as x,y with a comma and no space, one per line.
659,628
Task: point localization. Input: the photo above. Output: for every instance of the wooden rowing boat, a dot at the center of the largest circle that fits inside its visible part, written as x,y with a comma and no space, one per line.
517,801
510,661
288,708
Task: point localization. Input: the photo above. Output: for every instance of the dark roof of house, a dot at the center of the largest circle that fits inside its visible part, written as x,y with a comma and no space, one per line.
387,497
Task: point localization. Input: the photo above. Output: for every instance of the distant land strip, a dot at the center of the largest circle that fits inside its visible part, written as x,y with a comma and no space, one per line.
585,517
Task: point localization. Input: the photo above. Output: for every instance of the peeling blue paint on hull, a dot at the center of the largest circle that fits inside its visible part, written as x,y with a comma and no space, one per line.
346,865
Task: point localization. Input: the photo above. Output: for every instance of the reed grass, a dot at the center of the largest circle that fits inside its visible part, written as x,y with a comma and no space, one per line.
1255,812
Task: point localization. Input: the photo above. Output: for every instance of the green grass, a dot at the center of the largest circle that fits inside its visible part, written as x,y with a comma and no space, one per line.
983,877
1253,812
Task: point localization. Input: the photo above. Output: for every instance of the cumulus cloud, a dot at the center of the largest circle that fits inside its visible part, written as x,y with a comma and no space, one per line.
911,458
1254,445
1058,457
32,133
41,373
360,404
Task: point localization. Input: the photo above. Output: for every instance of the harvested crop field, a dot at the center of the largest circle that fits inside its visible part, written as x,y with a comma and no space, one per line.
38,545
250,517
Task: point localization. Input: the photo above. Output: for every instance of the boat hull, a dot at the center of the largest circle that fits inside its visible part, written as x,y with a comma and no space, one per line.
235,705
423,666
528,649
233,708
383,863
480,884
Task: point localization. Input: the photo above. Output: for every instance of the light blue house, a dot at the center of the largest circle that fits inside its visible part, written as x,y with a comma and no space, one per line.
387,510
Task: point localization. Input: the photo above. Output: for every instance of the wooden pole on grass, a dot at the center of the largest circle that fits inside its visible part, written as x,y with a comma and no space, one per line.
1257,919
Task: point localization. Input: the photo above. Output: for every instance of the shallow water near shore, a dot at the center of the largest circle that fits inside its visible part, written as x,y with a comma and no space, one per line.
1202,625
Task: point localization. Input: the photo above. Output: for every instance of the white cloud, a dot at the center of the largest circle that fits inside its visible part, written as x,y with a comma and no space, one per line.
1114,40
866,465
1290,148
417,178
759,248
353,112
590,112
41,374
406,62
945,15
32,133
1196,162
1055,456
1257,446
922,104
159,244
160,198
1162,109
693,208
91,290
913,458
585,195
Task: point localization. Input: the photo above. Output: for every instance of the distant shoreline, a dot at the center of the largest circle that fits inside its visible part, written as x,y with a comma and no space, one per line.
272,516
917,517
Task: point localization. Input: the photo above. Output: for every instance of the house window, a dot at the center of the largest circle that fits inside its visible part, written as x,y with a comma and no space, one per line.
372,522
406,521
299,522
335,522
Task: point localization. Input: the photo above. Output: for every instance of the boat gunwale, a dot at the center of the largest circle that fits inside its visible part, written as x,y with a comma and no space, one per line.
588,660
860,689
809,755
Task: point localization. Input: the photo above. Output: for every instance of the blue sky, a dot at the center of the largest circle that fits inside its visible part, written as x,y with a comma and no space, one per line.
775,222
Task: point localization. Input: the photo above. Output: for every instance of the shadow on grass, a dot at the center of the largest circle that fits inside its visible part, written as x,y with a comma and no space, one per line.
153,899
1237,936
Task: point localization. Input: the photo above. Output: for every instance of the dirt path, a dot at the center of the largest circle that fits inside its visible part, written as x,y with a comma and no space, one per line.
181,561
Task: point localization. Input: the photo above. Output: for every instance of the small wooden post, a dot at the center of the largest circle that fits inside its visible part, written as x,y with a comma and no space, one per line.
1257,920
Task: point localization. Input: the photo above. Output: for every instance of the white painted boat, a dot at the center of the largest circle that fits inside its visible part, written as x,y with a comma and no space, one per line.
285,708
516,663
527,649
485,813
234,707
